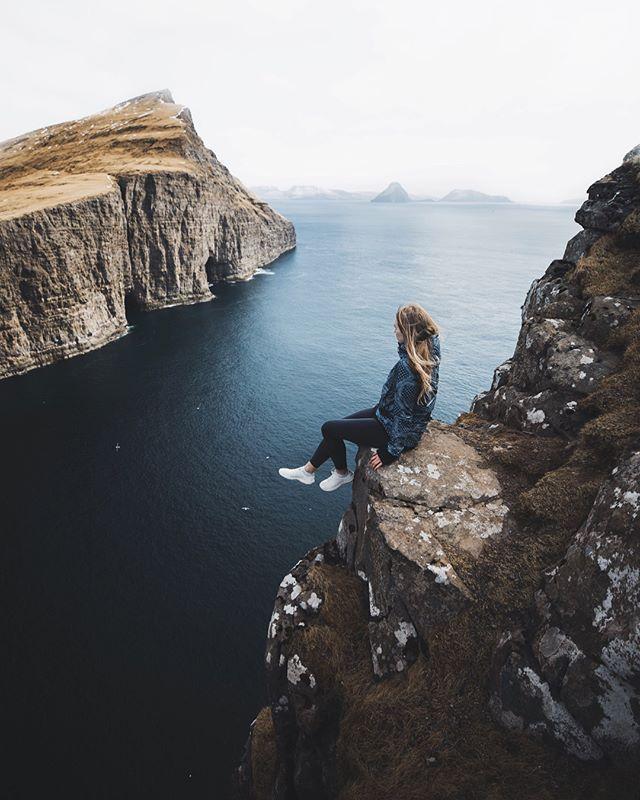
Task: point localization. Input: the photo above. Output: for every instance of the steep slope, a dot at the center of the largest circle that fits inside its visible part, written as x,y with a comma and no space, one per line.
125,205
472,631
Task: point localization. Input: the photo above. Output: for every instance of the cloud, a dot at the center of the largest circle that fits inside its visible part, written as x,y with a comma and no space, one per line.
531,100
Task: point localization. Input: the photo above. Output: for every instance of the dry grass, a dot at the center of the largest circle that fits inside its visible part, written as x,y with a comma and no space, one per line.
611,268
263,755
564,495
426,734
74,159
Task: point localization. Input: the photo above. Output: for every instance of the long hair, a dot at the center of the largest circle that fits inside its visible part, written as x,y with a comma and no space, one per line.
416,326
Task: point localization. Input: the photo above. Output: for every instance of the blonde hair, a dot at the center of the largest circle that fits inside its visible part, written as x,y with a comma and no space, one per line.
416,326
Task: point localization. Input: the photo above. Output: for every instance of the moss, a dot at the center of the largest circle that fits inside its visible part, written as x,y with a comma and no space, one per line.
614,391
611,433
612,267
627,336
339,637
263,756
519,458
426,734
563,496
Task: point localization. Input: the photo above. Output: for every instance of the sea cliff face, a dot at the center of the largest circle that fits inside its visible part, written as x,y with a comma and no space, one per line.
123,207
472,629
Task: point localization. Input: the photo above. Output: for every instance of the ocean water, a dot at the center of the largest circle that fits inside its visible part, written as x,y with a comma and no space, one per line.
146,528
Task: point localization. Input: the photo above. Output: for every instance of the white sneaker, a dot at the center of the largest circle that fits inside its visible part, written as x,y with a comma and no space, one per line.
297,474
335,480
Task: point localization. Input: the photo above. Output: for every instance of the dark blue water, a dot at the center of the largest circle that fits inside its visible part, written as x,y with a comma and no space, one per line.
145,525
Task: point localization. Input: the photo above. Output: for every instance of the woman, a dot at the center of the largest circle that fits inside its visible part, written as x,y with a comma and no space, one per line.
400,417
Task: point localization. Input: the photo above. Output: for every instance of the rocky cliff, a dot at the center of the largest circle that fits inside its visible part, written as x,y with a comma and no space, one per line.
472,630
123,207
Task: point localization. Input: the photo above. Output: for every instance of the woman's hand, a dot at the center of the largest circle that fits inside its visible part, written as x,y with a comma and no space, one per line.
375,461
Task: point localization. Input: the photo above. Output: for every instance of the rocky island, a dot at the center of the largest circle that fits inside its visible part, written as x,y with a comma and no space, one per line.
123,208
472,196
394,193
472,630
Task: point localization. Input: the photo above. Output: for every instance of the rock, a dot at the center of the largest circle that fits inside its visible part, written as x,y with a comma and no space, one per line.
62,279
602,315
394,644
548,412
407,527
394,193
125,206
581,683
294,687
552,297
472,196
580,245
610,199
573,674
561,356
496,568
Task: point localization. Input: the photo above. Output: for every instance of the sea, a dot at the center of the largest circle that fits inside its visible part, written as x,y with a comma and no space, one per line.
145,525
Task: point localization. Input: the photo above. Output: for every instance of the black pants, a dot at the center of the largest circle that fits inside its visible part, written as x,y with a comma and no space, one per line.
363,427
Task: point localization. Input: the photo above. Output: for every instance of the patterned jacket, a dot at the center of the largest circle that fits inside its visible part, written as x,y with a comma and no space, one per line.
403,418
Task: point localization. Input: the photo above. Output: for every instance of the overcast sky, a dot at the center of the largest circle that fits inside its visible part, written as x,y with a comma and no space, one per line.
531,100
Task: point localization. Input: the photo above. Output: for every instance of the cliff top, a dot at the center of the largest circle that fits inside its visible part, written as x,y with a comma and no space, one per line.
76,159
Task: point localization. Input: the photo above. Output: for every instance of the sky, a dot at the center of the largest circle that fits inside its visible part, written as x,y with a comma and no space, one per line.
532,100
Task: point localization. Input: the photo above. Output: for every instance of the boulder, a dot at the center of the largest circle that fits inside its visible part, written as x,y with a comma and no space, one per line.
407,527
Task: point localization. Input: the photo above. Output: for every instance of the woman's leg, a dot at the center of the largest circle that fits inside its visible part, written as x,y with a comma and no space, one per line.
364,430
366,412
329,447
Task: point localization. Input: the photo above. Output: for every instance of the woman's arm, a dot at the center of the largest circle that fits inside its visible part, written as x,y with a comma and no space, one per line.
406,395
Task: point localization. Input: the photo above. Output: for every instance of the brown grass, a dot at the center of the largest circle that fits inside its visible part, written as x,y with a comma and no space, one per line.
74,159
426,734
610,268
263,755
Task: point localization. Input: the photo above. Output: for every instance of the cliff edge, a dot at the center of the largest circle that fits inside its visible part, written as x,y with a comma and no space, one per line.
125,207
472,630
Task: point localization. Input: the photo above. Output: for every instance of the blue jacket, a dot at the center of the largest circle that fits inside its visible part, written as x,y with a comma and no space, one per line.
403,418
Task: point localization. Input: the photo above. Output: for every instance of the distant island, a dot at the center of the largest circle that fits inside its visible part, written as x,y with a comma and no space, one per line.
471,196
309,192
394,193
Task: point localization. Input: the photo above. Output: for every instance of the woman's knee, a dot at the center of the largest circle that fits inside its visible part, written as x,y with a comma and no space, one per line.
327,428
